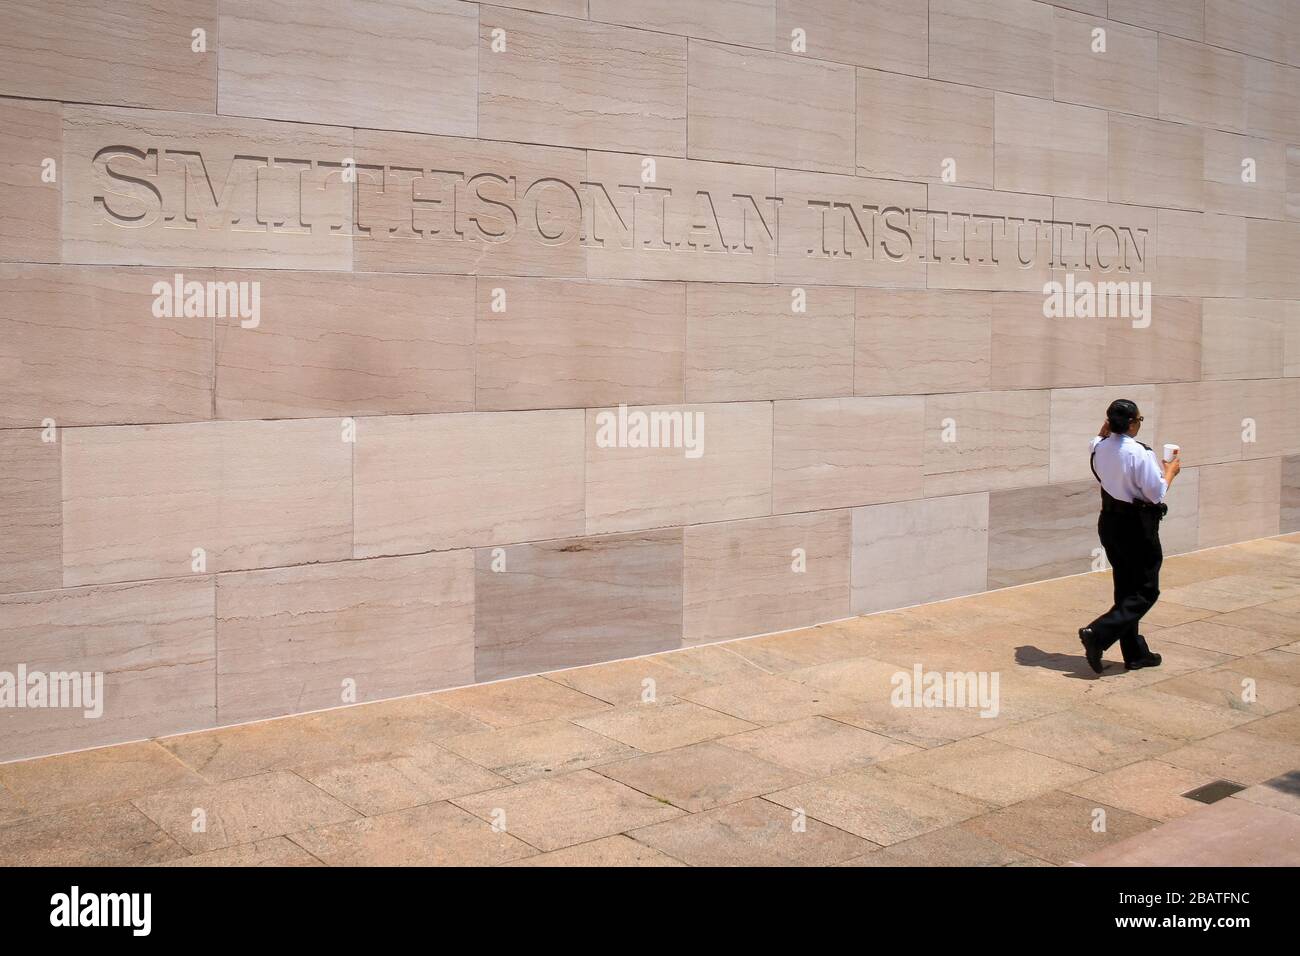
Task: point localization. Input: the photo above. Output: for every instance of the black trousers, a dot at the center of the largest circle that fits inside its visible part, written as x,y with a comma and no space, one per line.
1132,543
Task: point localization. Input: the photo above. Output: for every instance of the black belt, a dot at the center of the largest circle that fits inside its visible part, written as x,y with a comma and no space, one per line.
1113,504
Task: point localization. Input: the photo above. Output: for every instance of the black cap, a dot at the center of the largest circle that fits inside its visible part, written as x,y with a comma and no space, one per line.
1120,414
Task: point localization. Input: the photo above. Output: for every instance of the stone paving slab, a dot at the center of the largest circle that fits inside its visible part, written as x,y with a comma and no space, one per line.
1231,832
791,749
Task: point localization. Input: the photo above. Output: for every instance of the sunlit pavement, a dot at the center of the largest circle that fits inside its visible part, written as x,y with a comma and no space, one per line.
789,749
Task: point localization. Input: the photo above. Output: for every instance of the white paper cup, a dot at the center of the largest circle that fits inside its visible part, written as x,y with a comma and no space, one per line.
1170,452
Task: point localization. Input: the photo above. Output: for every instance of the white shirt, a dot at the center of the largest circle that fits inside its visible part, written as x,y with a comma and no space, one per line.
1128,469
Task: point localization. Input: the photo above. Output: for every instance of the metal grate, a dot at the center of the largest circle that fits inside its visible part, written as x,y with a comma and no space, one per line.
1214,792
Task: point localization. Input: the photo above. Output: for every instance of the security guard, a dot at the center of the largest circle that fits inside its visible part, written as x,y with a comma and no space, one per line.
1133,488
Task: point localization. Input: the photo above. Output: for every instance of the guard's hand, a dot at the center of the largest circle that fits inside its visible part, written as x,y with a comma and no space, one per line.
1172,467
1105,429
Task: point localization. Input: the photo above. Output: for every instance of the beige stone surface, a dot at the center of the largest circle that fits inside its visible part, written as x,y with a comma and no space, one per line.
1228,833
330,344
743,22
511,703
105,775
294,639
1290,515
1122,78
31,513
917,342
1239,501
376,785
440,481
1292,182
137,500
951,846
1031,350
204,191
1048,147
1271,108
242,811
828,236
815,767
1201,254
1085,741
1156,162
637,680
650,487
1256,27
411,66
827,453
1201,84
30,133
666,723
817,746
911,552
1182,18
1040,533
436,834
390,726
1227,156
998,440
1243,338
574,601
151,642
670,231
438,204
1271,248
550,814
1209,412
751,833
765,574
127,52
1149,788
574,344
768,700
975,253
882,807
1058,827
887,35
986,770
277,851
701,776
1001,45
562,208
245,750
82,345
1167,350
907,126
615,850
747,343
110,835
546,748
807,120
591,85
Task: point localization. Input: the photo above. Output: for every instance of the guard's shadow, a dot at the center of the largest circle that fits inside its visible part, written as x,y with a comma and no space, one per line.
1073,666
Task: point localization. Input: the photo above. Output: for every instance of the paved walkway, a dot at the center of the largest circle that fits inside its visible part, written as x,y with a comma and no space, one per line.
784,749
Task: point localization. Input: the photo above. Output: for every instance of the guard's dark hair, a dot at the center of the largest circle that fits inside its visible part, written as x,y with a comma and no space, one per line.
1120,414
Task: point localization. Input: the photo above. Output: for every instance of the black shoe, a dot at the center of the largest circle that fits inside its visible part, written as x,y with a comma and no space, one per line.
1091,650
1152,659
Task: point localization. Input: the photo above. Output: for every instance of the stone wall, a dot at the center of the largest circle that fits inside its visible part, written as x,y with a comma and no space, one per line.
337,338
